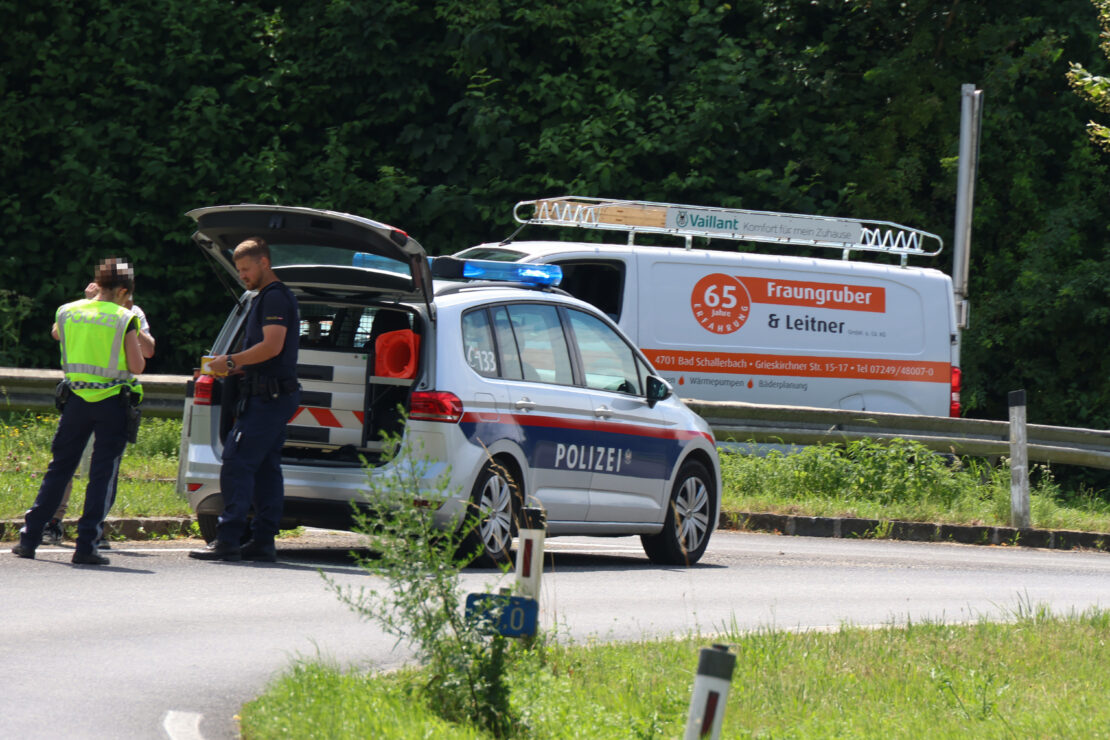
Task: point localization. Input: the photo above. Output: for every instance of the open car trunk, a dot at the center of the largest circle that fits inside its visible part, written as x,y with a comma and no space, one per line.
355,385
359,345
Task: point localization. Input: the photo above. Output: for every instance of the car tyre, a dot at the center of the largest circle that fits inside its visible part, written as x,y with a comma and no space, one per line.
492,517
689,520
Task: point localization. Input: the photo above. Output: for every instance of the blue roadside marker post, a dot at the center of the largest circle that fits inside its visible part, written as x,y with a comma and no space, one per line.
517,616
510,616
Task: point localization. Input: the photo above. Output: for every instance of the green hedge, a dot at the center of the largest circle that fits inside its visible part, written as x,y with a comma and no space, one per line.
118,117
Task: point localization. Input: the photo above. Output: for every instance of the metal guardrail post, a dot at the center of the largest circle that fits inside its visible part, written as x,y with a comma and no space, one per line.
1019,462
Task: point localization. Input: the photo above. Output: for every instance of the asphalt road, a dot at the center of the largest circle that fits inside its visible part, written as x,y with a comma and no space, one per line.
158,645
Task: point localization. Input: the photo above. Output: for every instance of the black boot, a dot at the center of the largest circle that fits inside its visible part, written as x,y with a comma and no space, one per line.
24,550
259,550
89,558
218,550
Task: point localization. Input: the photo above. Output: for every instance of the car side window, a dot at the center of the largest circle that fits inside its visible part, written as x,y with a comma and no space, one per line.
478,346
539,337
607,361
506,345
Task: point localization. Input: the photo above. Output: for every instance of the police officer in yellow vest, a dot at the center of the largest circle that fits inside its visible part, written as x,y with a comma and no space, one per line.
100,358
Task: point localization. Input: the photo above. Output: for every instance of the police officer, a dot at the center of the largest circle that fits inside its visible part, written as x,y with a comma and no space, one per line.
99,341
251,472
52,534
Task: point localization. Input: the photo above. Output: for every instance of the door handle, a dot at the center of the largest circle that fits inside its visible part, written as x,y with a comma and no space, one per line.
525,404
603,412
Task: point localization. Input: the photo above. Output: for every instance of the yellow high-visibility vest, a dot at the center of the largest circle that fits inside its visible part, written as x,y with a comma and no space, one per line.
91,337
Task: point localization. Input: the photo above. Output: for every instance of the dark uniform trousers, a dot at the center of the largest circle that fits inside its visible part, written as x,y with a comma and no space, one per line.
108,419
251,472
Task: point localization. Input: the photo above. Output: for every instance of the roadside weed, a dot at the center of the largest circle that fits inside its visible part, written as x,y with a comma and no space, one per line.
421,602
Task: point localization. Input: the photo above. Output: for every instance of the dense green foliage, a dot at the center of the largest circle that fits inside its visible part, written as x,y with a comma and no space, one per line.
120,116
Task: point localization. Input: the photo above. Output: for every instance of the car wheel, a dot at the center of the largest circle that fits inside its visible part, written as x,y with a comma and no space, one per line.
494,508
688,524
207,524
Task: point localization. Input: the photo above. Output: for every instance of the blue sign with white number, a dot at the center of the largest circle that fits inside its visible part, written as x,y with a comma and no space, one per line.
512,616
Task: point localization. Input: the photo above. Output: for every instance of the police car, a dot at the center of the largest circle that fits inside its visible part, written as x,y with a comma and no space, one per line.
514,392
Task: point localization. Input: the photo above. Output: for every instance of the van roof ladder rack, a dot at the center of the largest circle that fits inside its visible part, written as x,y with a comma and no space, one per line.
645,217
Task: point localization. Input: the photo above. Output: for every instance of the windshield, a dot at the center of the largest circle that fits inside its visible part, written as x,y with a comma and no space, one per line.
499,254
284,255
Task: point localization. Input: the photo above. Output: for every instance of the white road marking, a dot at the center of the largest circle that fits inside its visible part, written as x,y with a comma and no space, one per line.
182,725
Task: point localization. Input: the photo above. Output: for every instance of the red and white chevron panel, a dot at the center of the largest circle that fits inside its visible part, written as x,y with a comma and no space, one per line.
344,427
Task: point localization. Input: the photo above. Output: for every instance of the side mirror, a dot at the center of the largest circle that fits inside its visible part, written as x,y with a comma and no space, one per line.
657,390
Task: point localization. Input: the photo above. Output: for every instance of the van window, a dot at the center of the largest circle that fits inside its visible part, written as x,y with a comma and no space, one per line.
597,282
542,344
609,363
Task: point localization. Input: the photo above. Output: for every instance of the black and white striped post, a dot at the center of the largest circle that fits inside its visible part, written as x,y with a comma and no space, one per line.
1019,462
711,685
529,552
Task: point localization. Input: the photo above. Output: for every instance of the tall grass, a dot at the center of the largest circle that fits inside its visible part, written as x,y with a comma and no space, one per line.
894,480
1037,676
148,470
902,480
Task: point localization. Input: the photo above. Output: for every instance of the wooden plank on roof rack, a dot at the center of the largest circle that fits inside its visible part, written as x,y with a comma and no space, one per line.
633,215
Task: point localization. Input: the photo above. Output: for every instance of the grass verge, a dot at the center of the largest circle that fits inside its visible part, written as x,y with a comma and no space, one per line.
900,480
148,470
896,481
1037,676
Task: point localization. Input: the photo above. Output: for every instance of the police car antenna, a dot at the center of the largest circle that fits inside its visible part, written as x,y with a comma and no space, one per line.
512,236
736,224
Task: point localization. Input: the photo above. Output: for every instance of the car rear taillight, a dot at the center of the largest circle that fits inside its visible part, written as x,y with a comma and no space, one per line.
435,406
954,404
202,390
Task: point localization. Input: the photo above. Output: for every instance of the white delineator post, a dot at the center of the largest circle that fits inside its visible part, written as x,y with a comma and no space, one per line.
529,552
711,685
1019,462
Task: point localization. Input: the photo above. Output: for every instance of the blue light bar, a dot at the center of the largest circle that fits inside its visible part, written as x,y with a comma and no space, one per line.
374,261
515,272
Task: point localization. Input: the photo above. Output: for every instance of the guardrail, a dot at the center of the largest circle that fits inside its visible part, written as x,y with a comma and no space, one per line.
731,421
33,390
749,422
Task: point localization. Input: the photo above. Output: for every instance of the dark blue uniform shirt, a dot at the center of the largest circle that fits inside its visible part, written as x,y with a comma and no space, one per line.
276,304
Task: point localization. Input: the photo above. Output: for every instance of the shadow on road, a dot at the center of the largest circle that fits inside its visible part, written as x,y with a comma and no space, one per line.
565,562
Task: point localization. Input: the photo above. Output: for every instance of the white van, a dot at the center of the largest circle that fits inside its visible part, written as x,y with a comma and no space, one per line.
763,328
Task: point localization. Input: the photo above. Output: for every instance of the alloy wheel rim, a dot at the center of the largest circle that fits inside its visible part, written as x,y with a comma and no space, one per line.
692,513
496,528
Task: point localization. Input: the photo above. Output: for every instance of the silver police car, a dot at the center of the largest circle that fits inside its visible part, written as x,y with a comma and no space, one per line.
515,393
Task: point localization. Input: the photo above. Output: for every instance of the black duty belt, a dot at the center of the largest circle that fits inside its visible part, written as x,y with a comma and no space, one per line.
263,386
